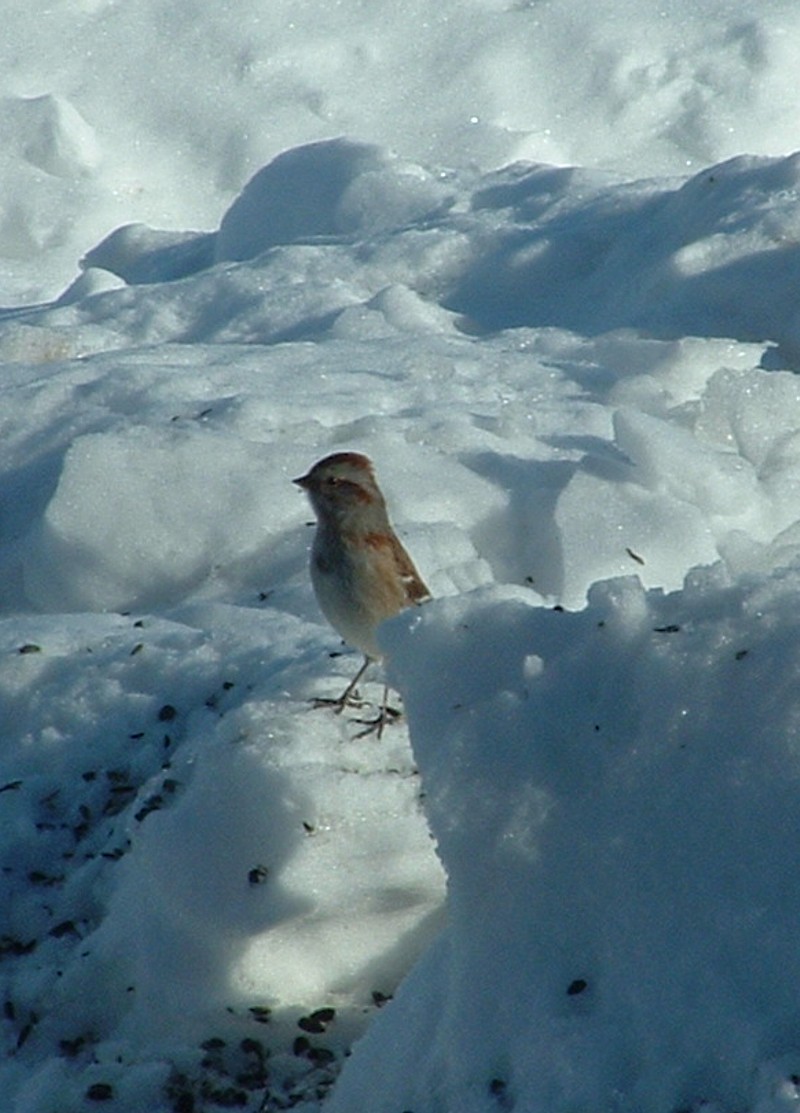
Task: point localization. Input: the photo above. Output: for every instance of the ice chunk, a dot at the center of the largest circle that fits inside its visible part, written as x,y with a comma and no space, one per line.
667,457
50,134
140,515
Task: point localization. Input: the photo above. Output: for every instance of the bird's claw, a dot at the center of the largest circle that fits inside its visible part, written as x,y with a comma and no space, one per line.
339,703
376,725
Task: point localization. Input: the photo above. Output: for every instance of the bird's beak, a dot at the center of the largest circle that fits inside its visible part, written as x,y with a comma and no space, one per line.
302,481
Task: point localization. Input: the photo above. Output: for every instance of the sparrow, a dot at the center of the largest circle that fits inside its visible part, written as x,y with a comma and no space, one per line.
360,572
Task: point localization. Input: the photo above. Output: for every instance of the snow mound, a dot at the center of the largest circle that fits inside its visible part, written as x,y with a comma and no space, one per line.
343,238
332,188
613,795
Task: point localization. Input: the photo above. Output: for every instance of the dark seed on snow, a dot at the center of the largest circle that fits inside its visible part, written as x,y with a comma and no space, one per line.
317,1021
301,1046
321,1056
66,927
100,1091
252,1047
577,986
257,875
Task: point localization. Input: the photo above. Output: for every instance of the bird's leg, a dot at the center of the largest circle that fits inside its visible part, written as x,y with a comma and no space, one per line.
386,715
347,698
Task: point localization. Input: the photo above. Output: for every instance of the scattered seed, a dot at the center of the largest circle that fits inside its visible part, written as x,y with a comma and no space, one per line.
71,1048
167,713
321,1056
113,855
257,875
16,947
577,986
151,804
301,1046
38,877
634,556
317,1021
100,1091
25,1033
66,927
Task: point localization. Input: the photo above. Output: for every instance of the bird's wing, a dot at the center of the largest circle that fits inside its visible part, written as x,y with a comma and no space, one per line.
415,588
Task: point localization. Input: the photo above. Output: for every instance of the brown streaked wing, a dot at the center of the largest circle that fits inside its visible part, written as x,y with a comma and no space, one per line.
416,590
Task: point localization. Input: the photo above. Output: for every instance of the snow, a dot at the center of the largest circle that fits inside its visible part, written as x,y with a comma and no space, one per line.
540,263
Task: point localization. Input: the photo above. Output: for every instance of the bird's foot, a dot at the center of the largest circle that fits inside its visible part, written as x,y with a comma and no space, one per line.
348,699
375,726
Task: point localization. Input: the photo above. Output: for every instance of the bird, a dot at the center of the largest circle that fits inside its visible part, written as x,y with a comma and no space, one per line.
360,571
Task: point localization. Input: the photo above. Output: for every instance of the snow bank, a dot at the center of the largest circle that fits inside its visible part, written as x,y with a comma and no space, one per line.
333,235
613,795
